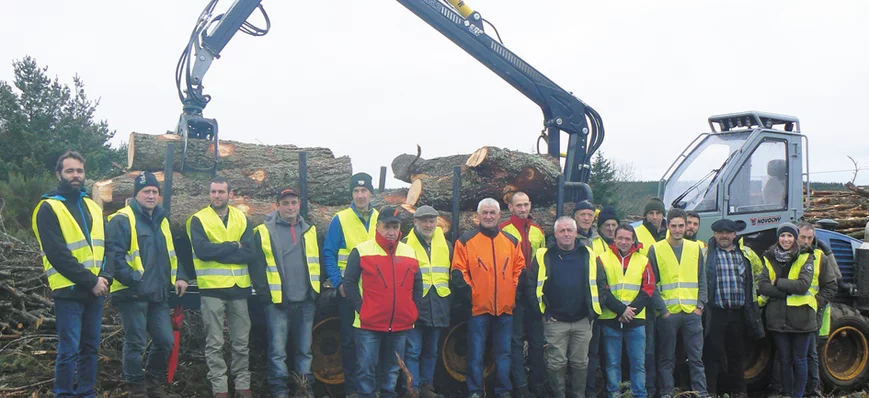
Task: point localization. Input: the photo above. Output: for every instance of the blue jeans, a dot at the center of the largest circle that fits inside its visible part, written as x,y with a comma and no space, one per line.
378,348
813,382
285,321
791,351
347,315
78,346
527,324
140,319
421,354
634,340
479,327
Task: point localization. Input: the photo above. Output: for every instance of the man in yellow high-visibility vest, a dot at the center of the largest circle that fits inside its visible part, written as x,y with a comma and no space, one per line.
349,228
141,253
69,228
525,321
223,245
828,276
681,276
287,265
653,229
434,254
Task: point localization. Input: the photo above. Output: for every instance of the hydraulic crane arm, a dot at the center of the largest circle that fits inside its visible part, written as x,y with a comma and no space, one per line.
562,111
202,48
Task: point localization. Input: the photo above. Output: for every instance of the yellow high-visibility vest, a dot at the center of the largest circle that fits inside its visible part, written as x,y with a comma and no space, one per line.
679,279
542,277
354,233
824,331
599,246
90,255
133,257
535,236
312,259
645,237
624,285
435,272
807,298
213,274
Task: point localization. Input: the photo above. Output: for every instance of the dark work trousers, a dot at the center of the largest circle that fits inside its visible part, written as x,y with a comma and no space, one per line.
527,324
724,345
595,361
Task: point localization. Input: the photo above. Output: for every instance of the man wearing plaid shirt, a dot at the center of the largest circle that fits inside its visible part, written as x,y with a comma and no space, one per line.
730,283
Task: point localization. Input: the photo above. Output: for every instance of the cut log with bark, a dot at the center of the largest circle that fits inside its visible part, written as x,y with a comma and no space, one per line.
328,179
148,152
488,172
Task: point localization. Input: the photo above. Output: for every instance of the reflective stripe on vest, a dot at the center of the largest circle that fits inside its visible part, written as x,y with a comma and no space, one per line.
542,276
133,257
371,248
599,246
90,255
273,277
679,279
213,274
807,298
825,323
646,238
624,284
437,271
354,233
535,236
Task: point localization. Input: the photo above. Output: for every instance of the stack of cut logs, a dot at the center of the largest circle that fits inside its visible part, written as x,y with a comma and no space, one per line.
849,208
257,172
24,295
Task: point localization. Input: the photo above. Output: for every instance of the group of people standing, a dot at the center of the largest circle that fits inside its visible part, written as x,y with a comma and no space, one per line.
598,289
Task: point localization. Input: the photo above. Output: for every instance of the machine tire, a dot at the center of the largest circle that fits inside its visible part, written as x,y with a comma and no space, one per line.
452,361
844,356
758,357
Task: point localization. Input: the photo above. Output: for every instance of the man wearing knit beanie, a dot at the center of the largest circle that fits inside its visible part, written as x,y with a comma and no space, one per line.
349,227
583,214
141,254
652,230
607,222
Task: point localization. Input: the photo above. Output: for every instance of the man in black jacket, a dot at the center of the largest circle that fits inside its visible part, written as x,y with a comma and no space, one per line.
69,228
730,309
141,253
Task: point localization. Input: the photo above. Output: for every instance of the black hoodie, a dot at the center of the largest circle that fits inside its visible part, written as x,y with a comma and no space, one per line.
54,244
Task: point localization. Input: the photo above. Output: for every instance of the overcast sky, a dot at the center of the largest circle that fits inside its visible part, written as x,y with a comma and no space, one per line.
370,80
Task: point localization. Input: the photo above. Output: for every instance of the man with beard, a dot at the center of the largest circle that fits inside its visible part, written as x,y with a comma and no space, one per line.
141,254
70,231
692,225
681,277
730,311
652,230
287,265
349,227
223,245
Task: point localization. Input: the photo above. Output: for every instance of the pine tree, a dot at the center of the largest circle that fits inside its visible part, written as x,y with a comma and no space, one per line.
603,181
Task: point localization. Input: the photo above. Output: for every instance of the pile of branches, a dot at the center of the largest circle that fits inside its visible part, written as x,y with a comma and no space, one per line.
849,208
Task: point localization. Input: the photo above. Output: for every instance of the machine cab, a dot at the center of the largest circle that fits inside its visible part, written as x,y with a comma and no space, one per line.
749,169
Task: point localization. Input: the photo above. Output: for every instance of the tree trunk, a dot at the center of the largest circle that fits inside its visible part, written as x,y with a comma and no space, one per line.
328,182
488,172
148,152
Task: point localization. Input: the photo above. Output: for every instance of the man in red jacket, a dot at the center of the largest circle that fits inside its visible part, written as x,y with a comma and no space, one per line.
384,283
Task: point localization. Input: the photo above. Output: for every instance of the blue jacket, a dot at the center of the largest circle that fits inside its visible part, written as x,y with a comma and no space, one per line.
334,242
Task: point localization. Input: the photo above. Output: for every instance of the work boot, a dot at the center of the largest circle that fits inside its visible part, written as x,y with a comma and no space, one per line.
243,394
427,391
522,392
137,390
159,389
